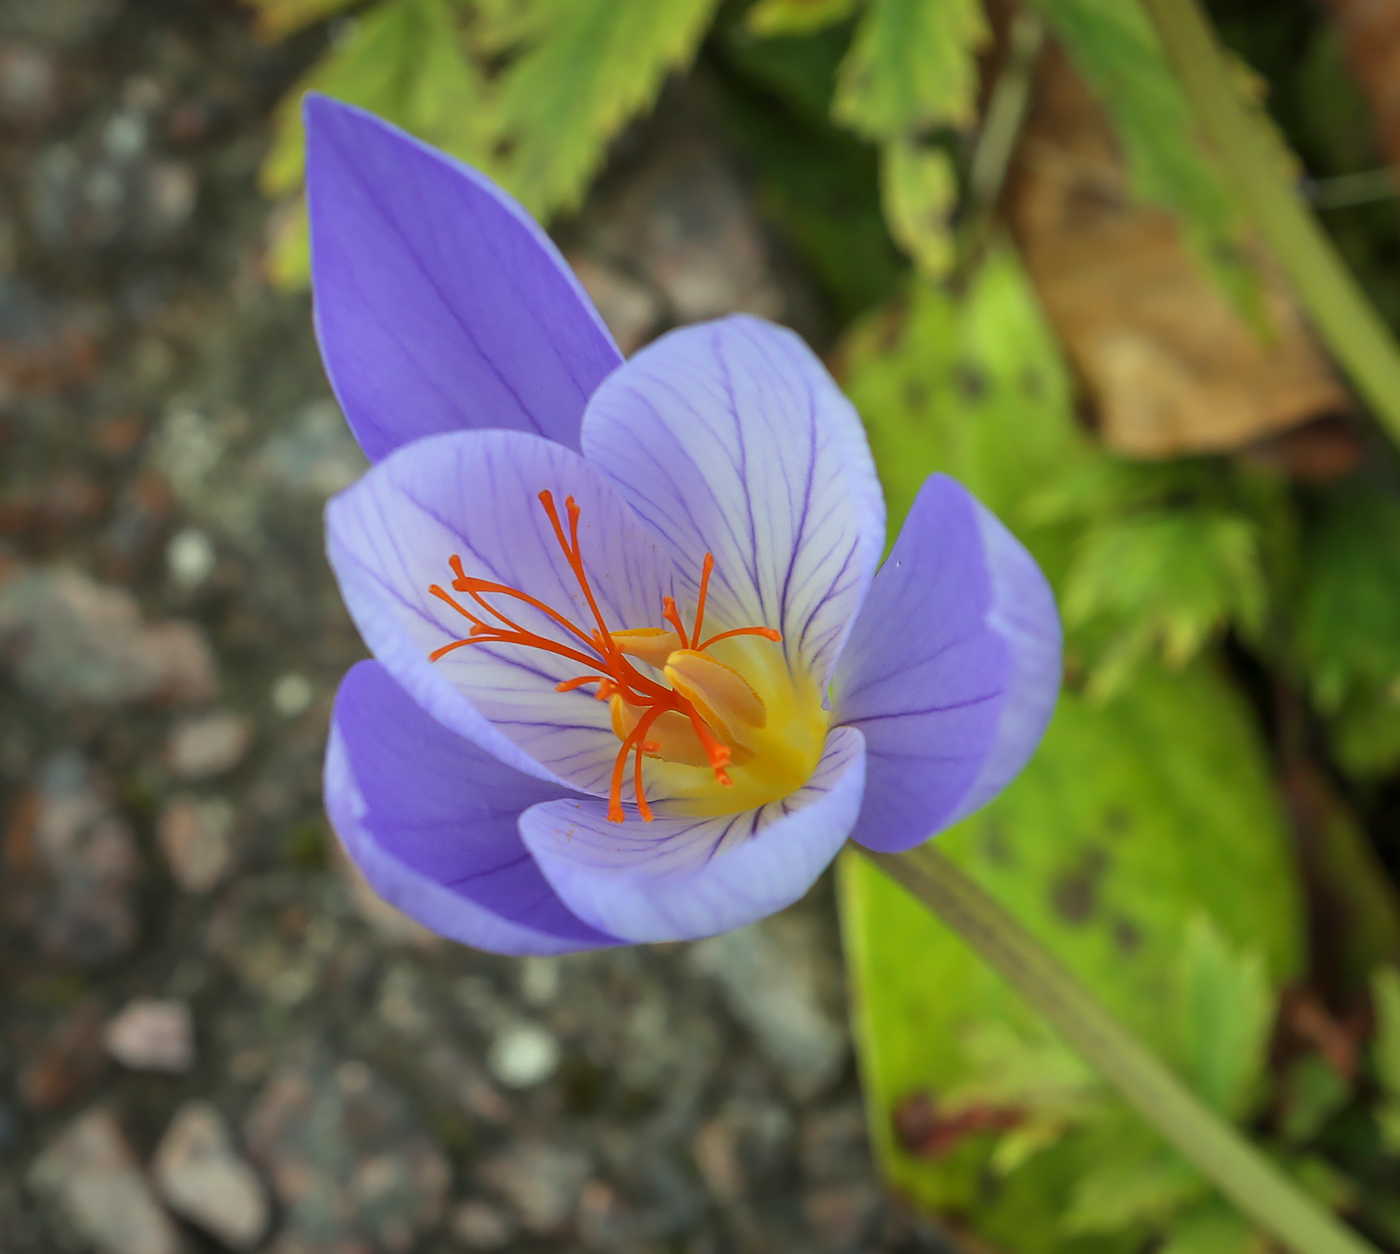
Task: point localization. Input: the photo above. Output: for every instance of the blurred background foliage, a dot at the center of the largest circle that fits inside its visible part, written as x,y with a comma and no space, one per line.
1041,278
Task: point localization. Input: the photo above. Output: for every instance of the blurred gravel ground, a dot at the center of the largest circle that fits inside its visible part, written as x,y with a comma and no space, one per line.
210,1037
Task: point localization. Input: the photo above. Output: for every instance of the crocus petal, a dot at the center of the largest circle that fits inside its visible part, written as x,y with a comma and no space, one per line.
952,670
432,821
475,494
678,878
440,304
731,437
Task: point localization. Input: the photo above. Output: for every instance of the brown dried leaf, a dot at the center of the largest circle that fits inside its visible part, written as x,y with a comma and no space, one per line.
1170,366
1370,31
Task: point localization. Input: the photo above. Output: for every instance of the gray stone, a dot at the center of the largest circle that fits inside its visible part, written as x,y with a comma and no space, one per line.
480,1226
771,985
72,640
631,309
94,1178
195,837
148,1034
347,1161
541,1182
208,744
202,1178
84,862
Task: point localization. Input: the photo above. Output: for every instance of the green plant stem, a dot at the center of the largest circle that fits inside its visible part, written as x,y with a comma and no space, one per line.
1238,1170
1352,330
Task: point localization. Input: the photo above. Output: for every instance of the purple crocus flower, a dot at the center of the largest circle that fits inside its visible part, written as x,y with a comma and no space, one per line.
638,671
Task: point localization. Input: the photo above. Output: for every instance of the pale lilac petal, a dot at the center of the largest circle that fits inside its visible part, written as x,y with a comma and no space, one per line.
475,494
432,821
731,437
678,878
952,670
440,304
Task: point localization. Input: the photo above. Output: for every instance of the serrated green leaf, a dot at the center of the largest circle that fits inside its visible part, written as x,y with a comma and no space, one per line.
1165,578
919,190
1136,1180
912,70
1212,1228
279,18
1385,997
592,65
1348,622
1225,1012
1313,1091
405,61
912,67
796,17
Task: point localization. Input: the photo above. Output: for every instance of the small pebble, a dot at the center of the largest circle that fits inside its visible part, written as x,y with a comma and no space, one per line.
92,1174
480,1226
539,980
194,836
190,557
152,1035
523,1055
203,1179
208,745
292,694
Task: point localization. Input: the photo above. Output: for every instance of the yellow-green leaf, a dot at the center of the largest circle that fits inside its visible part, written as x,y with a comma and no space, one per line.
1134,817
405,61
796,17
919,191
1225,1012
911,68
592,65
278,18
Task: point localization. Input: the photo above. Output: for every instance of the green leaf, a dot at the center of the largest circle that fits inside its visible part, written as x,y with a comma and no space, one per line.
403,60
1313,1092
591,66
974,387
817,184
1134,817
796,17
279,18
1225,1012
1166,579
1348,622
1136,1180
1385,995
919,190
911,68
1212,1228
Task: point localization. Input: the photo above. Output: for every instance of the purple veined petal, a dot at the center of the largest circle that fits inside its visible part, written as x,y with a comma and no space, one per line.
432,821
440,304
679,878
475,494
731,437
952,670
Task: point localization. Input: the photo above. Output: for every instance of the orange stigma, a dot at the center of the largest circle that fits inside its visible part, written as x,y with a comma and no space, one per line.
688,722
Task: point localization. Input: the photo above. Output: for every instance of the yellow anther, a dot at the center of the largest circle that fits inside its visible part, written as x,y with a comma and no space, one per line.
652,644
722,696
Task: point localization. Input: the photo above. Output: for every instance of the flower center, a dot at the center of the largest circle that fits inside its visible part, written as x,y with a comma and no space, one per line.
684,705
